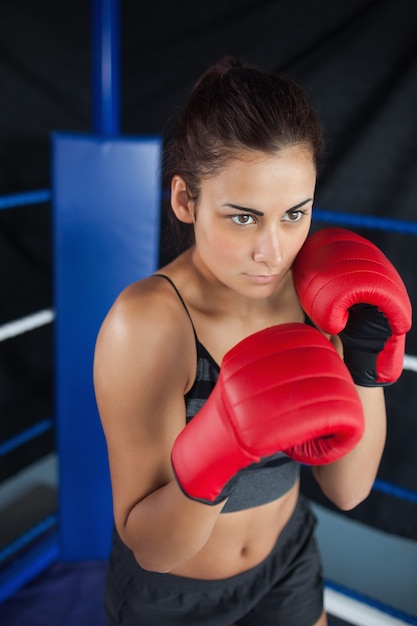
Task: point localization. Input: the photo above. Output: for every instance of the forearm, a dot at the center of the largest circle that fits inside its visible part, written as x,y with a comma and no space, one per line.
348,481
167,528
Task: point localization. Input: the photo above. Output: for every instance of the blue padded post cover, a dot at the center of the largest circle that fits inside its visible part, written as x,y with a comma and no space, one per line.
106,218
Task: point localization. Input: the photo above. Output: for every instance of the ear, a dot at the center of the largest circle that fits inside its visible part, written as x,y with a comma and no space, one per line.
181,205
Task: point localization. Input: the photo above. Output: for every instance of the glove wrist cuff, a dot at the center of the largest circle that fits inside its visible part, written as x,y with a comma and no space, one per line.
362,367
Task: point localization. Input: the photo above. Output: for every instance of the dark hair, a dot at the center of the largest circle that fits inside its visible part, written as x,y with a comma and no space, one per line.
237,107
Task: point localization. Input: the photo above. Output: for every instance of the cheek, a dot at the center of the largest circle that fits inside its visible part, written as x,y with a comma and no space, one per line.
297,242
219,245
231,252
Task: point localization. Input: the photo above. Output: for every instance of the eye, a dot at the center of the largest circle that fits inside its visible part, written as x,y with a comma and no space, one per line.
242,219
294,216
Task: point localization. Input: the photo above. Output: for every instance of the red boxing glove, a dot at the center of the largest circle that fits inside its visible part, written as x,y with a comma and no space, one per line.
347,286
282,389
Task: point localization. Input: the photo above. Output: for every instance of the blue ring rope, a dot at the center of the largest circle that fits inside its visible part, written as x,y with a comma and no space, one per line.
365,221
26,198
397,492
27,566
19,440
34,533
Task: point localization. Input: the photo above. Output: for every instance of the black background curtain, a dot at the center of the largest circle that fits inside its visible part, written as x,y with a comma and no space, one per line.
358,61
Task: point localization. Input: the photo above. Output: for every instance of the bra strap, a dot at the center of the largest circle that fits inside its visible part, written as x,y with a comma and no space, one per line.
173,285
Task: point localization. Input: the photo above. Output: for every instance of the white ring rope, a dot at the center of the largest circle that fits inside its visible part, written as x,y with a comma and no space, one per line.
47,316
357,613
410,363
26,324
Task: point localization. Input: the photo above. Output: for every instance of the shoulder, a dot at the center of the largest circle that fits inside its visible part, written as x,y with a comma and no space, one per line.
148,308
147,325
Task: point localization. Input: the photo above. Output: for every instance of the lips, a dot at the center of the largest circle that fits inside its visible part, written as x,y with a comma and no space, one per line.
263,279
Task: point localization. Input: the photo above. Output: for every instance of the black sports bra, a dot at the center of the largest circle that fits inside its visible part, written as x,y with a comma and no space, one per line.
255,485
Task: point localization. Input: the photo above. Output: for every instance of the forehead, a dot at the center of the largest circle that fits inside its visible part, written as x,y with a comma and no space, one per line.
249,172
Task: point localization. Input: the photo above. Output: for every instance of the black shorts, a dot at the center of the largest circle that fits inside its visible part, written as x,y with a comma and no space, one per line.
286,588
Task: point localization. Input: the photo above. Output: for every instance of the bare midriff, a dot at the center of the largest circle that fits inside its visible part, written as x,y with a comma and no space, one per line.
241,540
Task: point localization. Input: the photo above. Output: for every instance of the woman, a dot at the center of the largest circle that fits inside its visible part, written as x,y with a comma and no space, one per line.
242,167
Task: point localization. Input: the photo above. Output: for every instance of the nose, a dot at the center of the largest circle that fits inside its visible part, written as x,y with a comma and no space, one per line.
268,248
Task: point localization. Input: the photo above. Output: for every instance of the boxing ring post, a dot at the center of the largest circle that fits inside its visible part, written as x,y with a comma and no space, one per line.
106,205
105,70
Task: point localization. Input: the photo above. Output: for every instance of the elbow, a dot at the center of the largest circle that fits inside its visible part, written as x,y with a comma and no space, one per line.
158,560
154,558
346,493
151,563
150,554
348,502
149,557
347,505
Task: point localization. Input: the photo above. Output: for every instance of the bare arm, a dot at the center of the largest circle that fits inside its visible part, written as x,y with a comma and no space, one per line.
166,528
348,481
144,362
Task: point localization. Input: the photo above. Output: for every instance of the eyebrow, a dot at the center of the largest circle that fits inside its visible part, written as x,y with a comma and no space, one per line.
260,213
